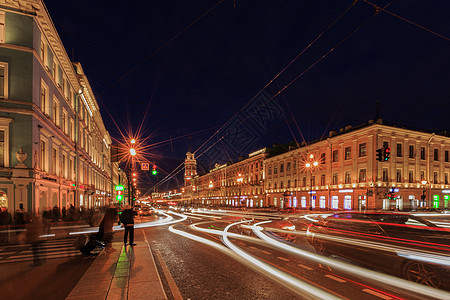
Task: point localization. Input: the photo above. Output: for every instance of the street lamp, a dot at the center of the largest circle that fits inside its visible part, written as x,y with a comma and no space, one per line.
240,180
211,185
310,164
424,197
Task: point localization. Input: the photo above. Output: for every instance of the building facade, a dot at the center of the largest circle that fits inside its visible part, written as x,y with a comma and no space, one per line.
54,148
340,172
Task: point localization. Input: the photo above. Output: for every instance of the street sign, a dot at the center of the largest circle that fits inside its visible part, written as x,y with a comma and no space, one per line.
145,166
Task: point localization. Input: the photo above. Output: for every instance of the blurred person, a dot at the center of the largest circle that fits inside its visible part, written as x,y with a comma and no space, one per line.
127,219
63,214
34,229
46,217
71,212
105,230
5,222
55,214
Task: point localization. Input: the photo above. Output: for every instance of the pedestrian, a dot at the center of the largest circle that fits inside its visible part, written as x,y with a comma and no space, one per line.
71,213
105,230
46,217
63,213
34,229
5,223
127,219
55,214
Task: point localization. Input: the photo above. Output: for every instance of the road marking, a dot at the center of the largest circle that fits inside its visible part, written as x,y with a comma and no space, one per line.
335,278
380,295
266,252
305,267
282,258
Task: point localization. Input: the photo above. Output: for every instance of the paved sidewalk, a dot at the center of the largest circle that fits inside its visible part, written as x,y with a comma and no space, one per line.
128,273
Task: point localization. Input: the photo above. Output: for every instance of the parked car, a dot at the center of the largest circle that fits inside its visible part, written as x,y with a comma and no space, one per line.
352,235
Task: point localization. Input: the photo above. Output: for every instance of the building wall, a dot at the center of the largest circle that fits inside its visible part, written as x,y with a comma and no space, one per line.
77,168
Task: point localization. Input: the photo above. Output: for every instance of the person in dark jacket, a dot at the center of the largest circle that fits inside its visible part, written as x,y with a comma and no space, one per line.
127,219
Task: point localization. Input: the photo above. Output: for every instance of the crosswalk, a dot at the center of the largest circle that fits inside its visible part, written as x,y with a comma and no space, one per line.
49,249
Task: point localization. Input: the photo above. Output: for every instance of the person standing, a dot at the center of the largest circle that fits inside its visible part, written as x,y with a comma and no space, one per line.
127,219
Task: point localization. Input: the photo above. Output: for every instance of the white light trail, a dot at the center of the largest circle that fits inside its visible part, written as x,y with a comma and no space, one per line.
293,283
384,279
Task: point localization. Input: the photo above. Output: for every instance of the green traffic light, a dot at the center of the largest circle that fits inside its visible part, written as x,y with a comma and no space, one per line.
154,172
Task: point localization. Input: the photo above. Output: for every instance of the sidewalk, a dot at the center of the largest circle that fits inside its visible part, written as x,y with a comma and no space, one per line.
128,273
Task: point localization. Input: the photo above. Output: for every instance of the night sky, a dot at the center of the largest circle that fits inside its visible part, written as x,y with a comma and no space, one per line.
145,70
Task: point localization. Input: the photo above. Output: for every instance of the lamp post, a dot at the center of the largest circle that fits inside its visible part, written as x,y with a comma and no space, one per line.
133,187
239,182
211,185
424,197
311,164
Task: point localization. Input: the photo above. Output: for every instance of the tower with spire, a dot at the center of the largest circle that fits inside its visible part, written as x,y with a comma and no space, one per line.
190,167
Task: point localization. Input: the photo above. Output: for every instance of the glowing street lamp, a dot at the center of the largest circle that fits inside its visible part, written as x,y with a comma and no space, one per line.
310,165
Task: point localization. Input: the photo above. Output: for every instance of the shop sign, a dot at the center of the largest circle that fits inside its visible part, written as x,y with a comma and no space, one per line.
346,191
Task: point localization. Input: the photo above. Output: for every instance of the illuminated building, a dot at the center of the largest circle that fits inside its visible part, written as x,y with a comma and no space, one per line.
54,146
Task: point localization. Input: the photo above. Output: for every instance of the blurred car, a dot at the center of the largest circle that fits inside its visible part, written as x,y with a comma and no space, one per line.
400,244
282,228
145,211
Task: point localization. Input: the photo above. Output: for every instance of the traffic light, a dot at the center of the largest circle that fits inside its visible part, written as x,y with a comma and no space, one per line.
119,189
380,154
386,153
154,171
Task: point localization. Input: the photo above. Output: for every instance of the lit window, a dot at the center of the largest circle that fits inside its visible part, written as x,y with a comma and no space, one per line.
3,80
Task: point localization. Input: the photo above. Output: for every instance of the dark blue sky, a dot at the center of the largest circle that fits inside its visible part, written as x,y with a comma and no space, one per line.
202,78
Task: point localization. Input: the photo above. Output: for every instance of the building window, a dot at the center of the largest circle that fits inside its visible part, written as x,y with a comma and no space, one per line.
288,166
44,98
304,182
422,175
64,166
411,176
275,170
362,175
385,175
446,155
362,150
3,80
313,180
334,202
399,150
335,178
2,26
411,151
55,111
295,183
281,168
322,179
289,184
322,157
399,175
43,157
281,184
275,186
435,177
2,148
72,129
385,144
348,177
269,172
422,153
54,161
347,202
335,155
348,153
43,51
54,69
71,169
64,121
436,154
446,178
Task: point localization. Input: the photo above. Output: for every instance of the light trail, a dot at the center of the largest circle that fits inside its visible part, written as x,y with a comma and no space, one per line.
293,283
369,275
